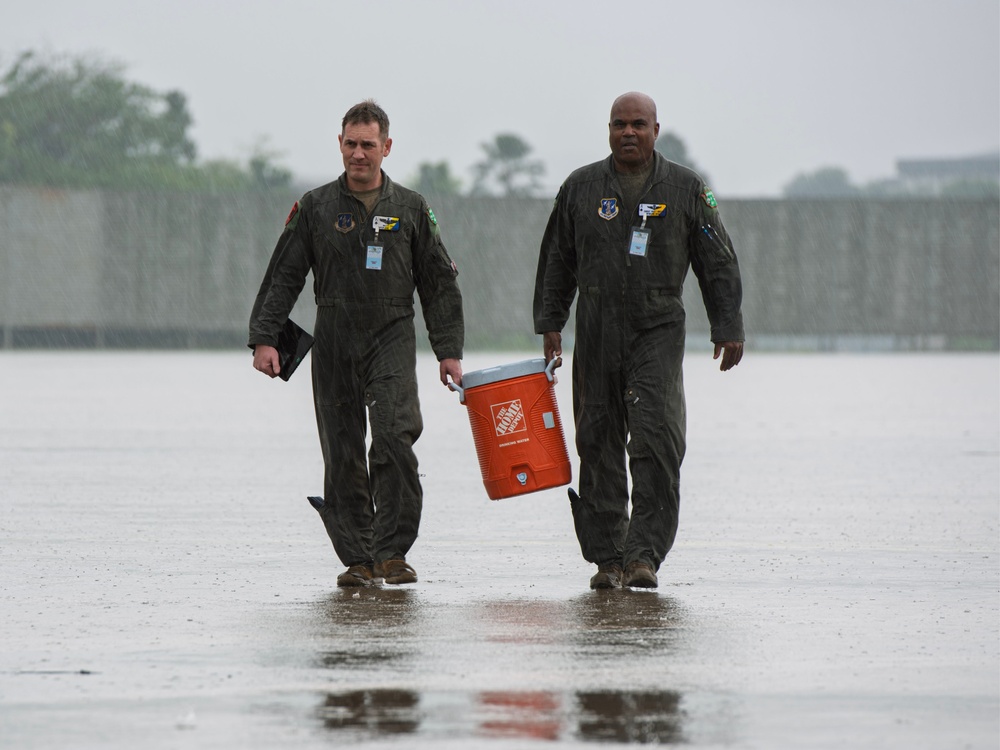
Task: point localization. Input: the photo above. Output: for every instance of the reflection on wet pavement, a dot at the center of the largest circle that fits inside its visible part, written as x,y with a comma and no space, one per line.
642,718
608,716
371,634
534,714
365,626
521,621
371,712
627,618
370,605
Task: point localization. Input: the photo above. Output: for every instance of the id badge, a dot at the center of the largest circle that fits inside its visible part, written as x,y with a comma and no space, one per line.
640,239
374,261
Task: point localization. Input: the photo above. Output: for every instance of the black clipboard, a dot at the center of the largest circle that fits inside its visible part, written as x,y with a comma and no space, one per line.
293,345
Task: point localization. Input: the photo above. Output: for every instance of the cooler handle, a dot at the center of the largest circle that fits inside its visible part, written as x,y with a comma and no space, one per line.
550,368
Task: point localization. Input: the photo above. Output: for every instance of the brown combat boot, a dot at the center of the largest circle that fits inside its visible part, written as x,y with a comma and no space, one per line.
395,571
608,576
640,575
356,575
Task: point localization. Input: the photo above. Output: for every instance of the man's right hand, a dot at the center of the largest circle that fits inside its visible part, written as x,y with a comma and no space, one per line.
552,345
265,359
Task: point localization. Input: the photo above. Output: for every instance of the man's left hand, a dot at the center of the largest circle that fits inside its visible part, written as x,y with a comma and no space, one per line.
732,353
451,368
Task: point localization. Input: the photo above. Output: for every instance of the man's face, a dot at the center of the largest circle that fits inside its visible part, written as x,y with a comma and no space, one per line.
363,150
633,130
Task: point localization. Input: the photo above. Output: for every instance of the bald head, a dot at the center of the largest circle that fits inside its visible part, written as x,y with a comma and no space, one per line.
632,131
635,100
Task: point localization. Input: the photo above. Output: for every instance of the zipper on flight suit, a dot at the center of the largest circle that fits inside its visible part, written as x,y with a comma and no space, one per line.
716,242
366,223
628,256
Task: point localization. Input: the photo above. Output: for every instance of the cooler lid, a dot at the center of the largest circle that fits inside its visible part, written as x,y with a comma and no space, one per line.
502,372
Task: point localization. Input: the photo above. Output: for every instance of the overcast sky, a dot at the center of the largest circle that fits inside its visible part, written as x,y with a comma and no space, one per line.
759,90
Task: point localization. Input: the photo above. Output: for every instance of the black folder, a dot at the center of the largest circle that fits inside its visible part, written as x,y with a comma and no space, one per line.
293,345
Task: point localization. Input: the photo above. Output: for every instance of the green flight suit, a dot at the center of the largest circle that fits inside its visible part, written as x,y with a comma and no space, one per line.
628,388
364,356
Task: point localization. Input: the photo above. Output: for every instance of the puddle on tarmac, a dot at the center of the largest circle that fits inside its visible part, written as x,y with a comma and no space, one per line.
381,637
602,716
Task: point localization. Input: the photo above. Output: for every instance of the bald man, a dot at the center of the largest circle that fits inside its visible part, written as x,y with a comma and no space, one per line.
622,235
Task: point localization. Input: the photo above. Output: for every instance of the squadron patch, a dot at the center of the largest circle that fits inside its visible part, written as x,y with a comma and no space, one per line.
292,216
651,209
609,208
709,198
385,223
345,223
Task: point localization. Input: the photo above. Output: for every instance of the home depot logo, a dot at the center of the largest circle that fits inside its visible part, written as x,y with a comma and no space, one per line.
508,417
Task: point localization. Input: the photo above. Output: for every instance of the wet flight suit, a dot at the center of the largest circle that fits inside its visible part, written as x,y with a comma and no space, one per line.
629,347
364,355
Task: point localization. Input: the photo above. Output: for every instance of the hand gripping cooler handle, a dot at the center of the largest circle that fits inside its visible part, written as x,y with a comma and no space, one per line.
460,390
550,368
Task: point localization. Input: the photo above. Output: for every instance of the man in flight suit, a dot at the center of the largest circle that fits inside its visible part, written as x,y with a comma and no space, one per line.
622,234
369,243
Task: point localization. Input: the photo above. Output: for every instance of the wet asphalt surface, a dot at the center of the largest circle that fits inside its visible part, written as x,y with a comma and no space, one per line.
165,584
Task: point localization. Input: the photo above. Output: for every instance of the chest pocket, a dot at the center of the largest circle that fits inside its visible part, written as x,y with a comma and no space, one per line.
396,255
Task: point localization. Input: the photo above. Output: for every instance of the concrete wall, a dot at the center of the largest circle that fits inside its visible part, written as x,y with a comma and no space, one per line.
127,269
93,268
919,273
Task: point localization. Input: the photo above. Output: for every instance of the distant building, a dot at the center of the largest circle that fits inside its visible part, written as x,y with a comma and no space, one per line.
936,176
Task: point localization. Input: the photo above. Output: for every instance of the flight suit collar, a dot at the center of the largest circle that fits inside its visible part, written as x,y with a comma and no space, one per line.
388,186
661,166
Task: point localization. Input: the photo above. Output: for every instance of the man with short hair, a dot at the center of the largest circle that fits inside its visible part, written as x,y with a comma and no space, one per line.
622,235
369,243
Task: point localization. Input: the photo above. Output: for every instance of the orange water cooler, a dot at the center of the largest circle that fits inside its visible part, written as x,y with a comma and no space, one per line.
516,427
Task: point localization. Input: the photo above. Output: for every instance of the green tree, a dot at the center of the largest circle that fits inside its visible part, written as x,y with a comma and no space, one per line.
80,122
673,148
436,179
508,167
264,172
827,182
77,122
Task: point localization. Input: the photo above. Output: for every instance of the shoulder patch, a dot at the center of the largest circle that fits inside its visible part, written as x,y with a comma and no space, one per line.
431,216
709,198
293,216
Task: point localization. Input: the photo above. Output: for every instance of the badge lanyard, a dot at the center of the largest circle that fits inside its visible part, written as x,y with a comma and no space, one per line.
373,260
640,236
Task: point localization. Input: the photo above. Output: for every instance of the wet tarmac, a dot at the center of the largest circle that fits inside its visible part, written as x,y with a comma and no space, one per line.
165,584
